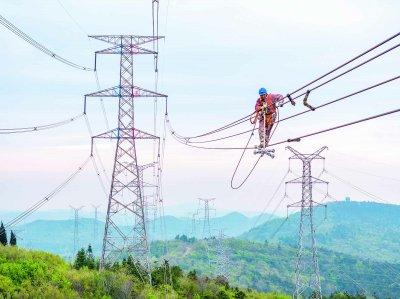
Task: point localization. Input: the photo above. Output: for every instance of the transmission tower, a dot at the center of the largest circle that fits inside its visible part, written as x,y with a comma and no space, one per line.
194,215
76,226
127,186
206,219
95,224
222,262
307,269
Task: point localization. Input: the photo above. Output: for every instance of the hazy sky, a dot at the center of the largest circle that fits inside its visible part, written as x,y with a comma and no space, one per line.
215,57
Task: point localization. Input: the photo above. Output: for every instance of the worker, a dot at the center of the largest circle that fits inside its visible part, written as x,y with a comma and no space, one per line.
265,113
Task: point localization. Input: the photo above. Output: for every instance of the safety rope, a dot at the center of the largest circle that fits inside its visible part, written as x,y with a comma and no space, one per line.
259,158
239,162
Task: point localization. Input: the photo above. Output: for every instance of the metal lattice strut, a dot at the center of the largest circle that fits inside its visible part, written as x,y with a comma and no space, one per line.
127,196
307,269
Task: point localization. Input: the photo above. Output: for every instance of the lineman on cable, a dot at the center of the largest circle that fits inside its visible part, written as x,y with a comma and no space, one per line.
265,113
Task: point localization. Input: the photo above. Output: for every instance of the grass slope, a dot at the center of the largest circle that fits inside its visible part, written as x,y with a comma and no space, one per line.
34,274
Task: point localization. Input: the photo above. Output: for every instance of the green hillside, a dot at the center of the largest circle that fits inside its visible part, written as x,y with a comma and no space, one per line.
33,274
364,229
269,267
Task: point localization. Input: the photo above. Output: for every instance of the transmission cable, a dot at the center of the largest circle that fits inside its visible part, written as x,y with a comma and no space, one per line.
40,127
7,24
271,199
308,84
305,111
47,198
96,76
95,150
348,62
298,138
368,173
359,189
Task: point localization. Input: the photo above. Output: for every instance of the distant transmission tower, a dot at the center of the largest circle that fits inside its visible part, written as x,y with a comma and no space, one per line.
76,226
127,187
307,269
206,219
95,223
222,263
194,215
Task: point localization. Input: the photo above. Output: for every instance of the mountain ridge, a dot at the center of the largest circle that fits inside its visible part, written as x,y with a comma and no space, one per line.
364,229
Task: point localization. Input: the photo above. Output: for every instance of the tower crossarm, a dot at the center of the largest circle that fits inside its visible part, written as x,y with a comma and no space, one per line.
119,133
297,204
121,91
298,180
126,39
317,181
126,49
126,91
145,166
309,157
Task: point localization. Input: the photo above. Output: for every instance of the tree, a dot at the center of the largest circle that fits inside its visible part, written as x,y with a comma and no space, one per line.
3,235
222,295
80,260
192,275
176,273
90,261
183,238
13,239
239,294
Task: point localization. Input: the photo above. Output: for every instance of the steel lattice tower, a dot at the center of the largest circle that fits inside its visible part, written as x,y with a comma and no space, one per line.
127,186
76,226
194,224
206,219
222,263
95,224
307,269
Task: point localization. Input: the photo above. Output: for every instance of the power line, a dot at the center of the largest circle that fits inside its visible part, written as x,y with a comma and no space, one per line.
73,19
40,127
271,199
359,189
341,126
7,24
229,125
347,62
95,71
298,138
368,173
308,110
348,71
47,198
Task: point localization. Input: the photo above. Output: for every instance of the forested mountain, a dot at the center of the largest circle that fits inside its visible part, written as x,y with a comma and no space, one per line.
364,229
270,266
45,234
